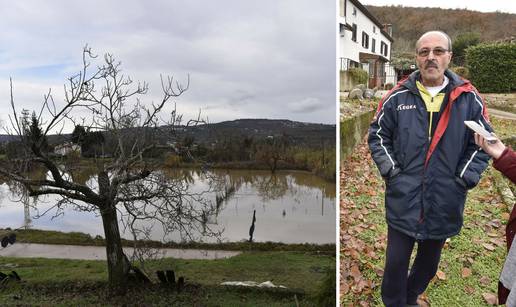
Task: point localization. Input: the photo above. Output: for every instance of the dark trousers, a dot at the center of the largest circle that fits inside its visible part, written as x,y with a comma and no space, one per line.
398,289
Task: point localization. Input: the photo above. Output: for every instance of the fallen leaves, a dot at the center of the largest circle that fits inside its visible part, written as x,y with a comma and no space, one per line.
441,275
484,280
490,298
355,273
488,246
423,300
466,272
497,241
469,290
363,238
359,180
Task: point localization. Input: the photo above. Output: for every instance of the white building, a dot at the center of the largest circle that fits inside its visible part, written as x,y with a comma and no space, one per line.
365,43
67,148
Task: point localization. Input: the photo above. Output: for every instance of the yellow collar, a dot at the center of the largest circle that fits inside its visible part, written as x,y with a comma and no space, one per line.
433,104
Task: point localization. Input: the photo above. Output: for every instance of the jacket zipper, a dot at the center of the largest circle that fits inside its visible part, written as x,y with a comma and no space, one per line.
430,124
422,212
423,188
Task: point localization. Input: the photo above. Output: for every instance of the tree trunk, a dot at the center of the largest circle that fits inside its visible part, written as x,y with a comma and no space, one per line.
118,266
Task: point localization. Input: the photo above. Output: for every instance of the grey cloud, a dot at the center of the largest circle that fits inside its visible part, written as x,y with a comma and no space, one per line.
261,59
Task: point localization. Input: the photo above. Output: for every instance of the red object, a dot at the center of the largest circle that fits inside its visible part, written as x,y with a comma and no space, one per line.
445,117
507,165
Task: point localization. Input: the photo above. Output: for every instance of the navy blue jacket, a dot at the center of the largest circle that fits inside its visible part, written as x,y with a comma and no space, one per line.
427,180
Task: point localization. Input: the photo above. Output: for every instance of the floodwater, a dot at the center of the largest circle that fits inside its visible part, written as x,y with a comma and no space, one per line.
99,252
291,207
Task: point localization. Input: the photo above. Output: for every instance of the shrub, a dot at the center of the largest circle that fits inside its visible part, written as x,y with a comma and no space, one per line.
492,67
73,156
172,160
388,86
461,43
461,71
358,75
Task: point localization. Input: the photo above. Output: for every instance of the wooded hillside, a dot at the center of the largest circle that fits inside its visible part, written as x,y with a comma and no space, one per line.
415,21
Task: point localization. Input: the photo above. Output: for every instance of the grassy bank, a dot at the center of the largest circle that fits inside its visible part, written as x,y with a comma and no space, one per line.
79,238
75,282
96,294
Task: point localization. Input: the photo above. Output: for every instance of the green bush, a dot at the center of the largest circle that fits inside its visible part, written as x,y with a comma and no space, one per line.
461,43
359,76
461,71
172,160
492,67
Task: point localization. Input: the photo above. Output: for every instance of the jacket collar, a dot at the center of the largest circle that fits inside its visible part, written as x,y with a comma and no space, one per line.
410,82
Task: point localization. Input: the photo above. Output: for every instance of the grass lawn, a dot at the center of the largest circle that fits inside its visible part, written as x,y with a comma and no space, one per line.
75,282
471,262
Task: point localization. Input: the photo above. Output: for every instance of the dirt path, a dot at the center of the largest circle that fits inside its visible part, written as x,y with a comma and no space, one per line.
99,252
501,114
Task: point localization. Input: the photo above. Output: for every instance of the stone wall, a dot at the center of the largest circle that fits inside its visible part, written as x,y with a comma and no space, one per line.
352,130
346,83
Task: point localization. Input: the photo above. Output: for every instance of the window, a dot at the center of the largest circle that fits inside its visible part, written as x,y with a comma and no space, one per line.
342,29
386,50
354,11
373,45
374,29
365,40
354,33
383,49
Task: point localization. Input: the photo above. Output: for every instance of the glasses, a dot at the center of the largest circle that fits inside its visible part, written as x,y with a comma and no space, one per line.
436,51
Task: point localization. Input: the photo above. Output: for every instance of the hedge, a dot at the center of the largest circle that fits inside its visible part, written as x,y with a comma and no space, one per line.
461,71
492,67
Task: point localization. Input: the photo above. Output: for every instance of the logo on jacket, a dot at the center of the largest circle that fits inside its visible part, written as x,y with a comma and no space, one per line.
403,107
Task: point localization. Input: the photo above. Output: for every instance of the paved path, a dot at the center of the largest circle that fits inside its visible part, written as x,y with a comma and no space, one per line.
501,114
99,252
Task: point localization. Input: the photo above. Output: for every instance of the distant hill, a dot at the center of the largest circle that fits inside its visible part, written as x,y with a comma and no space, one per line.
409,23
4,138
298,132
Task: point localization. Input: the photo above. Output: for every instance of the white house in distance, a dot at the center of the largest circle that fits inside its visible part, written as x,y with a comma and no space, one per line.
67,148
364,43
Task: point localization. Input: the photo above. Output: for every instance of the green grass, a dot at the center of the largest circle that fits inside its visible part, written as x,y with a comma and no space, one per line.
82,282
97,294
503,128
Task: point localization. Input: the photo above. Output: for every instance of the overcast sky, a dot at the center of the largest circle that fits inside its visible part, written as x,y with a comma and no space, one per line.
507,6
246,59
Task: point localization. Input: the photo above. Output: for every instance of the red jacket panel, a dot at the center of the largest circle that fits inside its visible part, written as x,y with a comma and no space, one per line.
506,164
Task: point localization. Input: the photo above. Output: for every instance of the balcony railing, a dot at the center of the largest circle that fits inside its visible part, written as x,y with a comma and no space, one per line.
346,64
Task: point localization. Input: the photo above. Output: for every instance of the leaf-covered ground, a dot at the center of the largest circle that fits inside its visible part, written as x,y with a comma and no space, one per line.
471,262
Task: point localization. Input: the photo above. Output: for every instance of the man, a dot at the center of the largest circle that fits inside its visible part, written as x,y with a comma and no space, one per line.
429,160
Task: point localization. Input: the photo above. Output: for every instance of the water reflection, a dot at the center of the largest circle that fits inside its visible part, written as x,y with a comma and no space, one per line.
291,207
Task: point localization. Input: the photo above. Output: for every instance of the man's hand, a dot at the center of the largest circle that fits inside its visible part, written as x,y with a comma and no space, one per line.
495,149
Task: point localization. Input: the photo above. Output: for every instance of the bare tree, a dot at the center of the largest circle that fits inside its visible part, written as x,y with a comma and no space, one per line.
271,151
126,186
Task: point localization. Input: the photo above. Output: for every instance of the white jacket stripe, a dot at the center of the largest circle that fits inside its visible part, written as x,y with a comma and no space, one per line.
379,125
479,101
